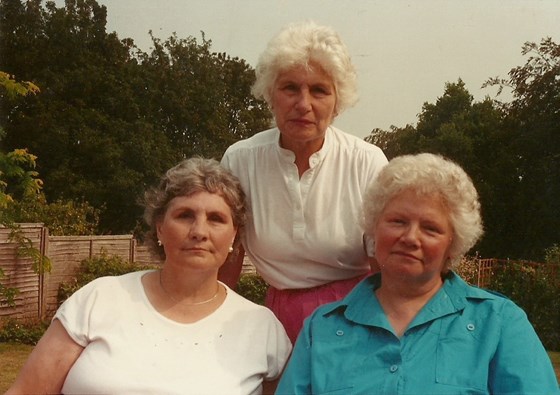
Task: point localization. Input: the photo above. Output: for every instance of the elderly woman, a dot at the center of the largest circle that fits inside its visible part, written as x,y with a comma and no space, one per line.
176,330
304,179
416,327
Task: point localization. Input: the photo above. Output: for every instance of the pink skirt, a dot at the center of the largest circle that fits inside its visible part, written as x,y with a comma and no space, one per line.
292,306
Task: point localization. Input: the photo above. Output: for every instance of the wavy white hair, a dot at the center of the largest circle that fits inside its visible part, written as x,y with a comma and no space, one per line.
428,174
300,44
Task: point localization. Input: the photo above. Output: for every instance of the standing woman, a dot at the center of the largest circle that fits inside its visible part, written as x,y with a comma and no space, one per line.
304,179
416,327
177,330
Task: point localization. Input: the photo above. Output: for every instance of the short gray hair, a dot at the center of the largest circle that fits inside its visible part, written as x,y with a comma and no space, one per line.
429,174
299,44
191,176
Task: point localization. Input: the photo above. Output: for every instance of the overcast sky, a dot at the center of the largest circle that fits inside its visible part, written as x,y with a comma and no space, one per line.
404,51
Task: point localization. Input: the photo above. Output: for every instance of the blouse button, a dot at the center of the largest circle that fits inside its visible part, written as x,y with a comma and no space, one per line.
470,327
393,368
339,332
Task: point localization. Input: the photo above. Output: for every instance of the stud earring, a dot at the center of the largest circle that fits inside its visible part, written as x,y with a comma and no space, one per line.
230,248
159,243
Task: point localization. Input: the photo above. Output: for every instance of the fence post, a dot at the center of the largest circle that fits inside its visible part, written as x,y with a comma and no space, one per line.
43,247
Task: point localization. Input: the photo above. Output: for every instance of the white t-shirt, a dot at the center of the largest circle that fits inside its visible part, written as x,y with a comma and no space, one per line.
305,232
130,348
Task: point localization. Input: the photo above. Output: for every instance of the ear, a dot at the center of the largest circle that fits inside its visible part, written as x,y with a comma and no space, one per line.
158,229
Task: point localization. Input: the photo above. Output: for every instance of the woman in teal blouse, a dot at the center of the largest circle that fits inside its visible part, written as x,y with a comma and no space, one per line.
416,327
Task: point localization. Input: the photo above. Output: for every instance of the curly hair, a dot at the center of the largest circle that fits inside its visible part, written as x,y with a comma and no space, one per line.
191,176
429,174
300,44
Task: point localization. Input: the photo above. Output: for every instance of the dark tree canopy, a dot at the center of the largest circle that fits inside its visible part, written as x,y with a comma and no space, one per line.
111,118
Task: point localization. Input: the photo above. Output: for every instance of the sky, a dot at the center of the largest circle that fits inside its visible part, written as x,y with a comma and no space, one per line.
404,51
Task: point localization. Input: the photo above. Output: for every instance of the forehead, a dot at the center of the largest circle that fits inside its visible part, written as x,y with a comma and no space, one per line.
411,200
312,73
200,200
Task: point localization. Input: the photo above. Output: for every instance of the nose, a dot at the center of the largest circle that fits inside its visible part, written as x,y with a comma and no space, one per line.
199,229
410,235
304,100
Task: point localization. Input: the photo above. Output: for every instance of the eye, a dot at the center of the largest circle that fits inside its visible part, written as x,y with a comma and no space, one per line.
290,87
433,229
320,90
185,214
216,217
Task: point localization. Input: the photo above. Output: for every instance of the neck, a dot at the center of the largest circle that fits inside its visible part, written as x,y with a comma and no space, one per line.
187,294
401,303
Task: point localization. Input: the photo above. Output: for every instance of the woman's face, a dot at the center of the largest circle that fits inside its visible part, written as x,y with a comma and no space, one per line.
413,238
197,231
303,102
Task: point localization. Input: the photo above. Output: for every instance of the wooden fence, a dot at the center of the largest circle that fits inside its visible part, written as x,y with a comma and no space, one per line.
488,267
37,297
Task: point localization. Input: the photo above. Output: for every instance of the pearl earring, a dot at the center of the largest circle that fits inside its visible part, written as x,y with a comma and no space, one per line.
230,248
159,243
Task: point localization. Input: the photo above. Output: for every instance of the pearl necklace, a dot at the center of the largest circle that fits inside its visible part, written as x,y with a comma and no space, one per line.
188,304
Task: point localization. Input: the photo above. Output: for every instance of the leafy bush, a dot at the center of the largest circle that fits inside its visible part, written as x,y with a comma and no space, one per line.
468,269
536,289
22,332
98,266
252,287
552,254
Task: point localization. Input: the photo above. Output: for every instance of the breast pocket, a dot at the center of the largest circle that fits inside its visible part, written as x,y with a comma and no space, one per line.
462,359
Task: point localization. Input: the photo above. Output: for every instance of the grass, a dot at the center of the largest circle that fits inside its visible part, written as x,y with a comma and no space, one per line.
14,355
12,358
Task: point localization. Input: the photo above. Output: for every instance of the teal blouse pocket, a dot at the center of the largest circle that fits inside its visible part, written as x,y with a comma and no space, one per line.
462,360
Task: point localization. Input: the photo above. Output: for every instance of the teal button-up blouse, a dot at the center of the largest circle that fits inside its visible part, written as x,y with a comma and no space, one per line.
464,341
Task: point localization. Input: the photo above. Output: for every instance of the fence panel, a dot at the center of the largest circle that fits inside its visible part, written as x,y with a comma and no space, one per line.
18,273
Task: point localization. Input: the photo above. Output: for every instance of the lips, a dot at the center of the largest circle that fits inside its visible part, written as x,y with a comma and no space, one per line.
407,255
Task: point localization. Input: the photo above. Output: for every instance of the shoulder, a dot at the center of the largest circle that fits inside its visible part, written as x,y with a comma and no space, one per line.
351,142
239,303
494,302
356,152
265,138
109,286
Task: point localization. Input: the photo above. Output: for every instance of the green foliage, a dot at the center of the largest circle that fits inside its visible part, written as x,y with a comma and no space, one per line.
111,118
22,332
536,289
468,269
7,294
98,266
552,254
252,287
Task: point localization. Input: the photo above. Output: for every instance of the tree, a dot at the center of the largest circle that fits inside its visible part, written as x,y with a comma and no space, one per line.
533,125
112,118
467,132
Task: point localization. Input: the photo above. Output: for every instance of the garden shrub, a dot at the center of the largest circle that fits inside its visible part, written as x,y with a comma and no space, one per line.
468,269
27,332
536,289
252,287
98,266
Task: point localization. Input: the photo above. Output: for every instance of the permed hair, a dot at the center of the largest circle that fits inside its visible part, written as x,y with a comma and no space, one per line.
191,176
429,174
300,44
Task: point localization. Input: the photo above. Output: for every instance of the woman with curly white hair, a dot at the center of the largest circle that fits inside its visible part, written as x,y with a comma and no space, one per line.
416,327
305,180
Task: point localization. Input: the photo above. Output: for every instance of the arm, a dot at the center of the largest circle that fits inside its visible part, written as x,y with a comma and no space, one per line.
521,364
231,270
49,363
296,378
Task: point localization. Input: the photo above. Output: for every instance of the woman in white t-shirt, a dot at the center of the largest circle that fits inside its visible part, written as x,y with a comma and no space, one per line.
177,330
